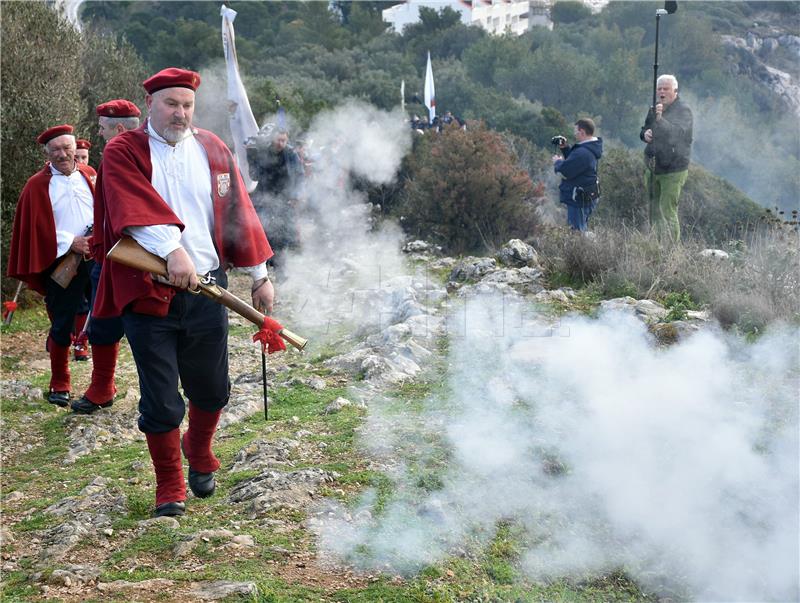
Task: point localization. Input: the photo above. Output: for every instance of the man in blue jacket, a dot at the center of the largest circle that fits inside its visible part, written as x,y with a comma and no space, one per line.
579,188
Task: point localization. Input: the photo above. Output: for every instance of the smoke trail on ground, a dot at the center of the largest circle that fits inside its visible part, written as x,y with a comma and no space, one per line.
679,465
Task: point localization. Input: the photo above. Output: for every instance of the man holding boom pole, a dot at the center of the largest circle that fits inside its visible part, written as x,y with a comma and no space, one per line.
667,131
177,191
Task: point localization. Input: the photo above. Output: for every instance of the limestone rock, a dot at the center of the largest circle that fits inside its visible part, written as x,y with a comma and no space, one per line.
88,433
645,310
277,489
18,389
714,253
153,585
562,295
525,280
264,454
74,574
417,247
6,537
518,253
221,589
337,405
187,546
472,269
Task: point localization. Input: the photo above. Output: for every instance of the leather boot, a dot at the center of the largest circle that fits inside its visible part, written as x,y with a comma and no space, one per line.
196,445
165,452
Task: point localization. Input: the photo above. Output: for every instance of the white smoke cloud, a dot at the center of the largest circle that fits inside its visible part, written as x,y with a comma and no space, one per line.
343,256
679,465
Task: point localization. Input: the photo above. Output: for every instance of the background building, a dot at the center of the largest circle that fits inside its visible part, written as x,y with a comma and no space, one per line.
495,16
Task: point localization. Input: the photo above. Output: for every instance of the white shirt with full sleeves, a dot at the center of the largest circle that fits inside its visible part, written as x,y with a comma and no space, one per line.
73,207
182,177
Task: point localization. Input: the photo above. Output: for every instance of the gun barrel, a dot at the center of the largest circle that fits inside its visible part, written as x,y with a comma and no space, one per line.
128,252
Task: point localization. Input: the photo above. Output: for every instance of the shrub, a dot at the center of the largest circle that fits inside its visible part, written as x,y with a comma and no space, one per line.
466,191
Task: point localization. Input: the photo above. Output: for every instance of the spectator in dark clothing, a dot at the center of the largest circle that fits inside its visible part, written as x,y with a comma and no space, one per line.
667,131
579,189
279,173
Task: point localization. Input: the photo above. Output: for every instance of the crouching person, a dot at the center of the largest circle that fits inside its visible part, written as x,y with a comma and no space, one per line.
177,191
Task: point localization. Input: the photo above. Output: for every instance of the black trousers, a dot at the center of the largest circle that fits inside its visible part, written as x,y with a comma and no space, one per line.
190,344
102,331
63,304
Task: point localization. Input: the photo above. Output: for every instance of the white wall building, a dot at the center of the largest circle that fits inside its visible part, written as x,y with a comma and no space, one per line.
495,16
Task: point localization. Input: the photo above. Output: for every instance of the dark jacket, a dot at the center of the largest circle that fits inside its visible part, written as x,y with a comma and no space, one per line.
579,169
277,173
672,138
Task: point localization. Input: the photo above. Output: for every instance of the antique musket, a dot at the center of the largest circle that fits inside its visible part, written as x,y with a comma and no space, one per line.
129,253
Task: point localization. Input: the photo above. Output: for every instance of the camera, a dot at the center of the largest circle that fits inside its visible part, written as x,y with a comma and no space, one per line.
558,140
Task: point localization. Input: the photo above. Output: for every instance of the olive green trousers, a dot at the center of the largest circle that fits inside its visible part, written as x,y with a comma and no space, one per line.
666,193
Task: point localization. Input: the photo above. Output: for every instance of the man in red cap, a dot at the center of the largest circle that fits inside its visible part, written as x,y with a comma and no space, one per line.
51,219
82,147
177,190
117,116
114,117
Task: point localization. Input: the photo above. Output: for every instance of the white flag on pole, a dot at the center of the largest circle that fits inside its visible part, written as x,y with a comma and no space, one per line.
430,93
243,124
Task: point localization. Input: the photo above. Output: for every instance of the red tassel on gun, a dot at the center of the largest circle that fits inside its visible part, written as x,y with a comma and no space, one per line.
268,336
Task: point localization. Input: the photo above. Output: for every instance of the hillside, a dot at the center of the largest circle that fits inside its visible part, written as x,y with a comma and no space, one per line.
433,444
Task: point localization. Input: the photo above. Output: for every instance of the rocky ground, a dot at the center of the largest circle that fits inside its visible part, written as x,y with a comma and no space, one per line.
77,491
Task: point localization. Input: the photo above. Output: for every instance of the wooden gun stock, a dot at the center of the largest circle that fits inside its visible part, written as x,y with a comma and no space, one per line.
129,253
67,269
68,266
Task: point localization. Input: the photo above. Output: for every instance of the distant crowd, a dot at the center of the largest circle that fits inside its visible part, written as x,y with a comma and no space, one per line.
422,124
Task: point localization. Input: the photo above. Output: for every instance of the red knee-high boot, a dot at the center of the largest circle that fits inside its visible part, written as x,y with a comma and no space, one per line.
197,448
165,451
104,361
59,373
79,343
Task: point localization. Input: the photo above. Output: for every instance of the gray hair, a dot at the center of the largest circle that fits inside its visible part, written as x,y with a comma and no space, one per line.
668,78
129,123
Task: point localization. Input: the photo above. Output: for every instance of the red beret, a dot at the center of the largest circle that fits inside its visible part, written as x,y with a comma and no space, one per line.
172,78
54,132
82,143
118,108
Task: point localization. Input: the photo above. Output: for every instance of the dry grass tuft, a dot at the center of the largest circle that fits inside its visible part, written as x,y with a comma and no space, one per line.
757,284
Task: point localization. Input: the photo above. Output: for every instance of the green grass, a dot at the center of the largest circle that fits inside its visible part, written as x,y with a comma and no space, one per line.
28,320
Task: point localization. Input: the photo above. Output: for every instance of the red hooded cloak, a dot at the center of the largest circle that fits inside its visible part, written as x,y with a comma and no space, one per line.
33,240
126,197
